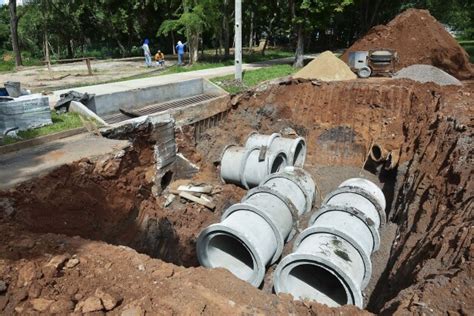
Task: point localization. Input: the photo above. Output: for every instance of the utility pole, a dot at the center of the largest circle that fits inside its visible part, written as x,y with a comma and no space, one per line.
238,40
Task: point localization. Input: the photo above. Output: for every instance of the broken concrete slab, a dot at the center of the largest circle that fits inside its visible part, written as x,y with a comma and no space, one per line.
25,112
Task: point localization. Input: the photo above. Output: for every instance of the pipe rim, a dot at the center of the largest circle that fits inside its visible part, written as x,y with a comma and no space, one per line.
364,194
222,157
336,232
218,229
382,153
352,211
288,175
294,146
284,199
353,292
270,140
249,207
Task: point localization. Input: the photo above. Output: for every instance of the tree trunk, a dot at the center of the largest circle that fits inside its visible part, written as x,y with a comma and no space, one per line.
173,43
299,54
121,47
14,32
252,15
46,51
194,48
225,29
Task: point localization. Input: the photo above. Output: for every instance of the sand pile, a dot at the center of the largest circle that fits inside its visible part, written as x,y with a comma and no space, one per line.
419,39
326,67
427,73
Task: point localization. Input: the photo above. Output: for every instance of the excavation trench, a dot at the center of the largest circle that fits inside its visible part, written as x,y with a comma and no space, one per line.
114,200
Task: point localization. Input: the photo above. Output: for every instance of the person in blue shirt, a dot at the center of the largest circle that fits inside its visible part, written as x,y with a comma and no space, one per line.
180,50
146,50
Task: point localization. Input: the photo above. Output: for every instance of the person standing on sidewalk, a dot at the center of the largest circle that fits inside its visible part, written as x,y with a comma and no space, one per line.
146,51
180,50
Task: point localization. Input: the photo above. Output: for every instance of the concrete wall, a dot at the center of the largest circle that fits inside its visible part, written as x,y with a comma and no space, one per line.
109,103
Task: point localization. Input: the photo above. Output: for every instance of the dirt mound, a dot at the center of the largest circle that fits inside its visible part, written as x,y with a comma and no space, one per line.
419,39
326,67
427,73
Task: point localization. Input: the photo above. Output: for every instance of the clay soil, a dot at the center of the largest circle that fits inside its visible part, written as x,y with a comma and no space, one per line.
419,39
91,237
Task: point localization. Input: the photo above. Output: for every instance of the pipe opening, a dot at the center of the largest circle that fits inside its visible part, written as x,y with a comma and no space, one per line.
376,153
309,281
278,164
298,158
225,251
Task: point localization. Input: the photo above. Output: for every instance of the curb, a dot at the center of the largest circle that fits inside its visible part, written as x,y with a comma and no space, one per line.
41,140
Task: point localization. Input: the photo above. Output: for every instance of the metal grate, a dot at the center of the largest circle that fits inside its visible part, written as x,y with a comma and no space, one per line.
160,107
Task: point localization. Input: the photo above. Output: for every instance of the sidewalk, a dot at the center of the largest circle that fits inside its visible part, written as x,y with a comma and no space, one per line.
159,80
25,164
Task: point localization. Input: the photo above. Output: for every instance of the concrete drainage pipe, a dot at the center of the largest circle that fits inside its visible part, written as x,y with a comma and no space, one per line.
248,167
252,233
295,149
331,258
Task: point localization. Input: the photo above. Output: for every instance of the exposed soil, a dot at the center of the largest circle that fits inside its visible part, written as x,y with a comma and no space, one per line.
46,266
419,39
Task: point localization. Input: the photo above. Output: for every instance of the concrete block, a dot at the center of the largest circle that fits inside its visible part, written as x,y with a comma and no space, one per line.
25,112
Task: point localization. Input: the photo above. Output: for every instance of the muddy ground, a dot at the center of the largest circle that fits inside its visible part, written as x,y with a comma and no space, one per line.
71,240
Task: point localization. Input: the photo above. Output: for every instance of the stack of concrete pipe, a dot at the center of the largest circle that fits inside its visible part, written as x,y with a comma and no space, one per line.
261,156
331,262
251,234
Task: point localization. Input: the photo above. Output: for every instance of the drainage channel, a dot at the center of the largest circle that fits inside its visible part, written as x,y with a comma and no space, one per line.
160,107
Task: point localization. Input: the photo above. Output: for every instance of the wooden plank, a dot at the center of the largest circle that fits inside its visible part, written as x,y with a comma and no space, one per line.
190,197
195,189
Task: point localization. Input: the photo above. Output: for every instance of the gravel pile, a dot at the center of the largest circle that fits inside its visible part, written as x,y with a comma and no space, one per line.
427,73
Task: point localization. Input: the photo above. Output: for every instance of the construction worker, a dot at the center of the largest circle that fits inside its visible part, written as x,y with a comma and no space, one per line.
160,58
180,50
146,51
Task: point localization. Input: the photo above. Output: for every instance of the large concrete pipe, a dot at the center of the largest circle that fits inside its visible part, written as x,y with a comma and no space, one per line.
249,166
331,258
295,149
363,195
252,233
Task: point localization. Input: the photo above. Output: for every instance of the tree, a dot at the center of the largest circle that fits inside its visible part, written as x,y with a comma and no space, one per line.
14,18
306,15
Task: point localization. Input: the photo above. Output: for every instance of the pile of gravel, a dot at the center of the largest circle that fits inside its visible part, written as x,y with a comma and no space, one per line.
427,73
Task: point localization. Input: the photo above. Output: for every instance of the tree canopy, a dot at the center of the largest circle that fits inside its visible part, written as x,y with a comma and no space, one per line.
117,28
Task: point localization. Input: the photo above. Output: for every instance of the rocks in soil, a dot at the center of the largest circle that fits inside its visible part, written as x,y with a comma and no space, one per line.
110,299
326,67
61,306
427,73
41,304
28,273
91,304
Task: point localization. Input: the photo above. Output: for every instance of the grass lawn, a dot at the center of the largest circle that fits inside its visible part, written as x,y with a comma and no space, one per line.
253,78
61,122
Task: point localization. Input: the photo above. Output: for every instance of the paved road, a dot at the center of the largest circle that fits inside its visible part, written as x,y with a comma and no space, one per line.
25,164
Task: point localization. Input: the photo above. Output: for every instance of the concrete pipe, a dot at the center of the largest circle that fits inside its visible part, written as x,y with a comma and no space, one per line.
323,267
231,160
378,153
254,169
295,149
252,233
296,184
363,195
243,166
